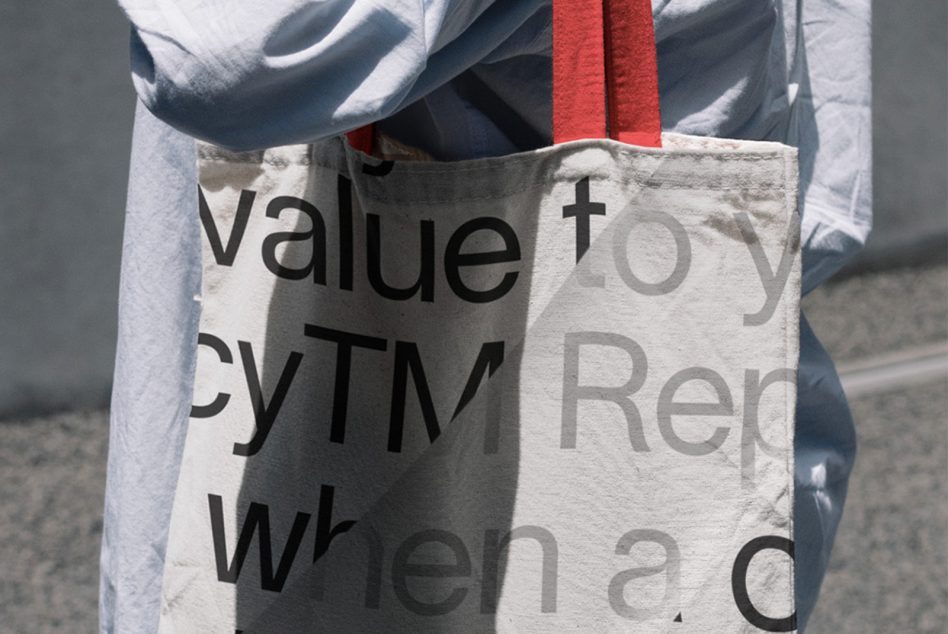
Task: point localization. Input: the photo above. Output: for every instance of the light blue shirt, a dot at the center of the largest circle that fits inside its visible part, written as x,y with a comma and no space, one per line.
460,79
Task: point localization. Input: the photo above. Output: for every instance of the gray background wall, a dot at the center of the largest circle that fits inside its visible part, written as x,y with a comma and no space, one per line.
65,124
66,107
910,134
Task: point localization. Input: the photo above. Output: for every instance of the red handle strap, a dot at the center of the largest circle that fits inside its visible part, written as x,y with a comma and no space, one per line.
632,73
361,138
600,49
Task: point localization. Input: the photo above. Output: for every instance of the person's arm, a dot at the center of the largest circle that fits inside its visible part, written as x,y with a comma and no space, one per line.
248,75
830,91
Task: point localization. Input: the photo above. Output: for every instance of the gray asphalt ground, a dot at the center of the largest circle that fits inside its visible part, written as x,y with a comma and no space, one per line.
889,571
889,568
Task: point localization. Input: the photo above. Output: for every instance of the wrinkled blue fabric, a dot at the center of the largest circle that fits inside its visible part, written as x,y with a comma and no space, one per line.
460,79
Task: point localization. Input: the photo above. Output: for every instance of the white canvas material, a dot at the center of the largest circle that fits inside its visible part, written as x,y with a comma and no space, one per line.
551,391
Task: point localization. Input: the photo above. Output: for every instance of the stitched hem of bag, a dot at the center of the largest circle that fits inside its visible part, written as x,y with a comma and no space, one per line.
792,359
676,145
430,182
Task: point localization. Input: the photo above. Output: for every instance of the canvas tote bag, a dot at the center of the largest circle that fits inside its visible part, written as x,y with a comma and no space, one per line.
550,391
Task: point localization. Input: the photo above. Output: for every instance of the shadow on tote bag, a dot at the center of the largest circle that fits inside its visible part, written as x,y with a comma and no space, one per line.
550,391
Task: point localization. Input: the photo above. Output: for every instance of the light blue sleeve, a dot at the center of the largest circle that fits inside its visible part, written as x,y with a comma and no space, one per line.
829,91
829,85
251,75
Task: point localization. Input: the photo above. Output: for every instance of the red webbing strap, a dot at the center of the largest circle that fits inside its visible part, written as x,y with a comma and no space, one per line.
609,50
361,138
578,71
632,73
